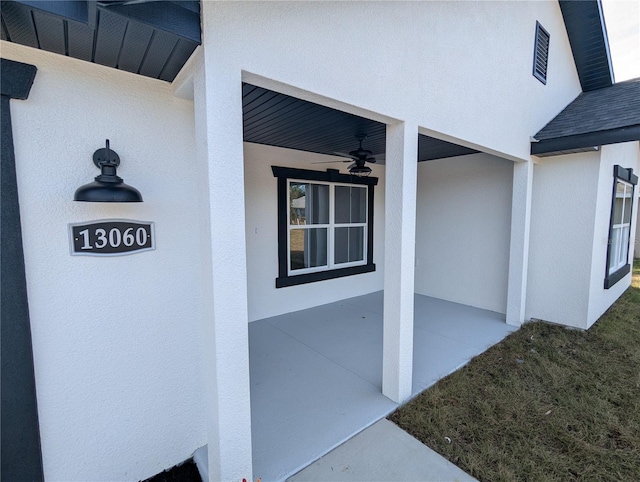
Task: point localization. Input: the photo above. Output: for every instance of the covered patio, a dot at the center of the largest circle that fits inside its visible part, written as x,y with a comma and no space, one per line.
321,374
316,374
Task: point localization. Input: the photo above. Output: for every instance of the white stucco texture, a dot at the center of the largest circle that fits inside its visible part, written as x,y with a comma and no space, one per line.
219,155
261,205
561,242
571,211
463,230
459,69
115,340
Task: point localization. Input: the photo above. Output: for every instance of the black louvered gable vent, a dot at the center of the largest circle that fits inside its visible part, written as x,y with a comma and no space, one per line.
541,54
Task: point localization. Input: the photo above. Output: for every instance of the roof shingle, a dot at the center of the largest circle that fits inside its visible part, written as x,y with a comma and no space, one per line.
612,107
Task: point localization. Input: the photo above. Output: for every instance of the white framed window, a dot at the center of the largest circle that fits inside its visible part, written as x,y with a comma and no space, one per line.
325,225
620,225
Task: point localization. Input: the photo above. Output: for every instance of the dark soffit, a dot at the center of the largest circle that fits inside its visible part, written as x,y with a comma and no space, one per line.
587,32
153,39
276,119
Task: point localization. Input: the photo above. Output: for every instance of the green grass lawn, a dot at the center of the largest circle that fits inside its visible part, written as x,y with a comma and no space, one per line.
546,404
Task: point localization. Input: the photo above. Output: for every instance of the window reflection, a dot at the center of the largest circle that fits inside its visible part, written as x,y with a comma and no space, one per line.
308,248
309,203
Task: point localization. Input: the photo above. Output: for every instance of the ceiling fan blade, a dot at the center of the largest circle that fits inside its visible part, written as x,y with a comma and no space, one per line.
344,154
350,166
380,158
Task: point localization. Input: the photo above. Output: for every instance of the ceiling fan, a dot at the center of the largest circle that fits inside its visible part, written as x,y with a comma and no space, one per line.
358,158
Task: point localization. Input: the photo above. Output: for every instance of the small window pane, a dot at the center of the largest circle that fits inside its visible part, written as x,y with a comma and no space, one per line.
349,245
350,204
624,246
308,248
615,244
617,209
626,217
308,203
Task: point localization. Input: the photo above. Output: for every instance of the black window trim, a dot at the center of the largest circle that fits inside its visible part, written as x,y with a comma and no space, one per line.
541,30
627,175
330,175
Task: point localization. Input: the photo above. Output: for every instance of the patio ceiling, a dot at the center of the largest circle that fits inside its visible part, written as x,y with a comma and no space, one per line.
280,120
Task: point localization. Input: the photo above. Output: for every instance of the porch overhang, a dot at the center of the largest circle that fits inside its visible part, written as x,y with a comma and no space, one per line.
153,39
276,119
605,116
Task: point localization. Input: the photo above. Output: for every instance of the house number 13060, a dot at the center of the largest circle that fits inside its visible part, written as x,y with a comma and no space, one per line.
115,238
111,237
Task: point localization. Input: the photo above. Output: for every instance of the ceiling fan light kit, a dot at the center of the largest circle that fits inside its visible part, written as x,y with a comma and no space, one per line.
360,171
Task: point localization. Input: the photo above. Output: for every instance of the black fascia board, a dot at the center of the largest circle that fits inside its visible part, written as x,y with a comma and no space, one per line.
589,139
167,16
16,79
77,10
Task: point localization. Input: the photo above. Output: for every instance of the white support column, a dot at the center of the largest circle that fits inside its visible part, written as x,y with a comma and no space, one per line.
399,252
519,246
218,125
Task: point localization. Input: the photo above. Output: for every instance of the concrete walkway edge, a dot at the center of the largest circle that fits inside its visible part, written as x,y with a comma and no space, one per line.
382,452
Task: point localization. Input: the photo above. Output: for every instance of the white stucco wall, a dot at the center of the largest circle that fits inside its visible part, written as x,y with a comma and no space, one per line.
626,155
115,339
562,224
262,236
570,217
459,69
463,229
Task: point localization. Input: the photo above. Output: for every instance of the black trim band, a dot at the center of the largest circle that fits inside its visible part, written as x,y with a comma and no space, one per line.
330,175
625,174
612,279
590,139
284,281
21,455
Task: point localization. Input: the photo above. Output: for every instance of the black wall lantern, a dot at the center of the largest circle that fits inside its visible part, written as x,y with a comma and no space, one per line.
108,187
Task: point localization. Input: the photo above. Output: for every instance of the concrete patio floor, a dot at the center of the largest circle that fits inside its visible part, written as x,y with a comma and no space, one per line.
316,374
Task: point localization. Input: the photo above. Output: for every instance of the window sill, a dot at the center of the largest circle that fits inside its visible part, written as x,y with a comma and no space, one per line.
284,281
613,278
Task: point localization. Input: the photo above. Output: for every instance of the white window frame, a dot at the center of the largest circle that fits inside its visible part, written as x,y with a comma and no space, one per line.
331,227
617,258
619,241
